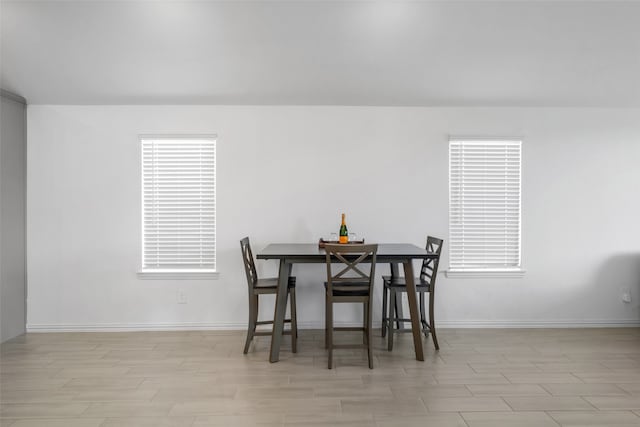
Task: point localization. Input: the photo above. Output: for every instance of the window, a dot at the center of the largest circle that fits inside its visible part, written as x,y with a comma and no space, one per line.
178,206
484,206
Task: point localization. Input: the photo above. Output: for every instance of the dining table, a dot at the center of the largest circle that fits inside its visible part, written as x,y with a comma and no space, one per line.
289,254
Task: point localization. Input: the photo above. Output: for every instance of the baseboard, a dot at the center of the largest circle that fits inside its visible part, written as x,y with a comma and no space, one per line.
233,326
529,324
186,326
135,327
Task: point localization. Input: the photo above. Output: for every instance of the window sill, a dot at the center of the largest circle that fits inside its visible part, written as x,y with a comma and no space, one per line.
516,273
178,275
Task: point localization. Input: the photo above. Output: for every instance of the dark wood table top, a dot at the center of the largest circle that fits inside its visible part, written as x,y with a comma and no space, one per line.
310,252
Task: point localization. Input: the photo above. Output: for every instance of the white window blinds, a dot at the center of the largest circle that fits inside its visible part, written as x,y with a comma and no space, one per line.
179,208
484,205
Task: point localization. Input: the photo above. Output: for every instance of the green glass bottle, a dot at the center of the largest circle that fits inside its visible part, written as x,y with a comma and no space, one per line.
344,234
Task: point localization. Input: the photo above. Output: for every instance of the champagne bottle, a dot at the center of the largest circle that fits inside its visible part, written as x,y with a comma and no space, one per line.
344,234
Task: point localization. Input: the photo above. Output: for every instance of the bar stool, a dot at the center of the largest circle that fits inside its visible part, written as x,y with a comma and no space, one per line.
426,283
349,285
259,287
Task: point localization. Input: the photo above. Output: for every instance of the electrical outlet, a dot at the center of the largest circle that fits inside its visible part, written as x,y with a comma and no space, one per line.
182,297
626,295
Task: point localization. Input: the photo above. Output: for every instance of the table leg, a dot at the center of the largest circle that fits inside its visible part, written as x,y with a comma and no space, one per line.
280,310
395,272
413,309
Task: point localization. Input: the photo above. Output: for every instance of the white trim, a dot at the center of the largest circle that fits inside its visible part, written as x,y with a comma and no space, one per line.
13,97
177,136
527,324
177,275
242,326
179,326
485,274
134,327
486,137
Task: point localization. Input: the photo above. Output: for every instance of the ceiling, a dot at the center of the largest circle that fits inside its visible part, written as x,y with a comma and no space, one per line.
413,53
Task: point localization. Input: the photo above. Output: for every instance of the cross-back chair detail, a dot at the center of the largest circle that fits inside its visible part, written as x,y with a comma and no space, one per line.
350,265
430,265
249,263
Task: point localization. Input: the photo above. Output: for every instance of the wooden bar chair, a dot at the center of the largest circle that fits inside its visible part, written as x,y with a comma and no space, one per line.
426,283
351,284
259,287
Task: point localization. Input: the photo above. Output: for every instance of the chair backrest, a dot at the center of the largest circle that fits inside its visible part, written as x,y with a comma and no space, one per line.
429,269
249,264
347,260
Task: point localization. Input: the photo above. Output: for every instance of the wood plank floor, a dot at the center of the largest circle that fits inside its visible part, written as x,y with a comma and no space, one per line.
489,378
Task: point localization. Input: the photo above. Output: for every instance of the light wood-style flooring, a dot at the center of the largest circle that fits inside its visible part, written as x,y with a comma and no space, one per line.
479,378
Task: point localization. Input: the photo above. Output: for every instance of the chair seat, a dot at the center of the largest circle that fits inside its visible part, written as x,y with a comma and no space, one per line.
399,282
349,293
272,283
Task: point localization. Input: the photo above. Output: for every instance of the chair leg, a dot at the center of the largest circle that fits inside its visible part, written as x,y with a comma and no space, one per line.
384,311
397,301
253,318
369,333
423,317
365,335
330,331
326,321
294,321
392,318
432,324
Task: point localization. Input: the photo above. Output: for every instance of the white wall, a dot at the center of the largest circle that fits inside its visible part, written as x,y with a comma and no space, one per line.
13,142
286,173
